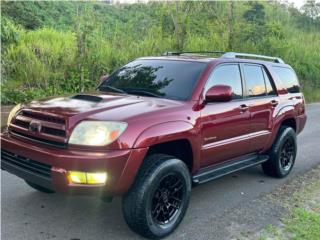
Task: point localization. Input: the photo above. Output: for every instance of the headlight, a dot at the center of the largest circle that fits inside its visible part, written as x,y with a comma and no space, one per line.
97,133
13,113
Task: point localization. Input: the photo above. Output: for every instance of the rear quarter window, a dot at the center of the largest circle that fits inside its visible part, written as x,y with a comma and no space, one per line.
289,79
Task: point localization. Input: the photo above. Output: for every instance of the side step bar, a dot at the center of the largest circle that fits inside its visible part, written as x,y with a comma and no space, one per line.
220,170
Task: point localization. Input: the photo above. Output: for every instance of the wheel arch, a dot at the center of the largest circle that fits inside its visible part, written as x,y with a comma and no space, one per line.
176,138
285,117
181,149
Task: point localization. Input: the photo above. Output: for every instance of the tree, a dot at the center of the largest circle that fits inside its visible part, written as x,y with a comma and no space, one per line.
255,14
230,25
256,23
311,9
179,14
84,27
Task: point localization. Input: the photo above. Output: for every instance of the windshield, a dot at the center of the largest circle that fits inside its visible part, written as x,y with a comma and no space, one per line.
157,78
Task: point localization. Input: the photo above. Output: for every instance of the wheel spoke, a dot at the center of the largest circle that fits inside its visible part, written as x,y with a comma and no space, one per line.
156,209
178,182
287,154
167,198
175,199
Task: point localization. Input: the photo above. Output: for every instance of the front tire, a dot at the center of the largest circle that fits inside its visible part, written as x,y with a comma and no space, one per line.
282,154
157,202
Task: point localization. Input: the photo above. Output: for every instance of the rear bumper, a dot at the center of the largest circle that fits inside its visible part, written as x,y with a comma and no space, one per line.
301,122
121,166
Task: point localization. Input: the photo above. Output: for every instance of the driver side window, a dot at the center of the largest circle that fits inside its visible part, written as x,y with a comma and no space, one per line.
228,74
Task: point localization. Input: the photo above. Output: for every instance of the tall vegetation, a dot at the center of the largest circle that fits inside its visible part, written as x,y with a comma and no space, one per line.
52,48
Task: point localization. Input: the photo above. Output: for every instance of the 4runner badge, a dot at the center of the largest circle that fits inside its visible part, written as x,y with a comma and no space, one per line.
35,126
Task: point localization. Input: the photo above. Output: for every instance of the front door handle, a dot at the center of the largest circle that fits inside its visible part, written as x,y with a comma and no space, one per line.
243,107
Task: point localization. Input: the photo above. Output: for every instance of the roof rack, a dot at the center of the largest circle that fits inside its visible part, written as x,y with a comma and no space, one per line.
200,52
227,55
247,55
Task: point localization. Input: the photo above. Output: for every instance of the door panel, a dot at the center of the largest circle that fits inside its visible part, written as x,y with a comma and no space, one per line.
225,126
225,130
261,111
262,100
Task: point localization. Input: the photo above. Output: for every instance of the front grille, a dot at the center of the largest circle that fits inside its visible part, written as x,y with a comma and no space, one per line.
38,140
41,127
52,131
41,116
27,164
22,124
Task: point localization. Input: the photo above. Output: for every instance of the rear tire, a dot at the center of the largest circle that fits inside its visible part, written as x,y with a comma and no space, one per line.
157,202
282,154
39,188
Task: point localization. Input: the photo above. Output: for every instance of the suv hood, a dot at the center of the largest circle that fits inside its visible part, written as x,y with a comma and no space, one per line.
117,107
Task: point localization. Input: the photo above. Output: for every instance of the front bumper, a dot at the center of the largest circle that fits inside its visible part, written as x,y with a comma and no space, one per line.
24,158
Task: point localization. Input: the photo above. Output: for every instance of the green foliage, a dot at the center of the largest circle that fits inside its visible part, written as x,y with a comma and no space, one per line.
304,224
9,32
41,58
18,95
51,48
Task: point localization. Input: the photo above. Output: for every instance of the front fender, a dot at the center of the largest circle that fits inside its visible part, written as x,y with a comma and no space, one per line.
171,131
155,134
165,132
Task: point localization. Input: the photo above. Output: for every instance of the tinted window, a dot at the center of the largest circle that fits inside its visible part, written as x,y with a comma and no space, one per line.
270,90
254,80
168,79
288,78
227,75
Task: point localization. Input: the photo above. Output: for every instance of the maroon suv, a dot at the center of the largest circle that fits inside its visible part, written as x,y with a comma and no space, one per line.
155,127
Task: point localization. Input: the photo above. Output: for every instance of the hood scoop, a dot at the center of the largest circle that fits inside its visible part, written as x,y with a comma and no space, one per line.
86,97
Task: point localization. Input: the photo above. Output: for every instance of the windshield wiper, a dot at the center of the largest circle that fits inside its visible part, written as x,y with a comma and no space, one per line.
112,88
143,93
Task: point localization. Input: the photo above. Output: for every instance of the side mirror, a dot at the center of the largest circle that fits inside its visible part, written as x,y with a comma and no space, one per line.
219,93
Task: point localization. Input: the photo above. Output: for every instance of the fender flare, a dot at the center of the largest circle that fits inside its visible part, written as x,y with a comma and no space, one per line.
164,132
171,131
287,112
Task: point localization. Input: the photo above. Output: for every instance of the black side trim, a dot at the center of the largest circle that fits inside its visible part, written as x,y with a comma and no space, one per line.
210,173
27,169
38,140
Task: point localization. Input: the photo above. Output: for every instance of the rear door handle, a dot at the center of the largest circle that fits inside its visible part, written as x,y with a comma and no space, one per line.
243,107
274,103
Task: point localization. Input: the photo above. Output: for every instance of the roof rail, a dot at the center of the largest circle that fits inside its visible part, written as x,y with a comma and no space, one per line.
247,55
195,52
227,55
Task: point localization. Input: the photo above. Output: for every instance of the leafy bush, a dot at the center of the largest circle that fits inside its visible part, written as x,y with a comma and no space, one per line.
41,58
53,48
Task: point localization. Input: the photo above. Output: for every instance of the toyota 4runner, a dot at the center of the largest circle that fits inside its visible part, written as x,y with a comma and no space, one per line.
157,126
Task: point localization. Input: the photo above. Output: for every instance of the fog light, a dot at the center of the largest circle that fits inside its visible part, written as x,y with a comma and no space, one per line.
96,178
87,178
77,177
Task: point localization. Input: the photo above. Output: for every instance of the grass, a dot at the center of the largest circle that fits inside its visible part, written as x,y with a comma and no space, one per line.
303,224
303,220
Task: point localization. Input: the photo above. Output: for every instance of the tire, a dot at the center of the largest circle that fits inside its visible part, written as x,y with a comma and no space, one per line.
161,180
282,154
39,188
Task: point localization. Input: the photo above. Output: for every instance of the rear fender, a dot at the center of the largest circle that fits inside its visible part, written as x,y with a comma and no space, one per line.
287,112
